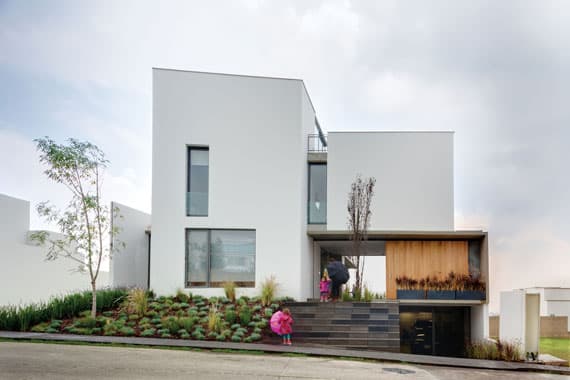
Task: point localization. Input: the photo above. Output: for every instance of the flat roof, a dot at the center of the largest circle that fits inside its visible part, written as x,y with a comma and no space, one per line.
400,235
245,76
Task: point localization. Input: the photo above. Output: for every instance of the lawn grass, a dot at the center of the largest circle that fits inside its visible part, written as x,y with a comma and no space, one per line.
559,347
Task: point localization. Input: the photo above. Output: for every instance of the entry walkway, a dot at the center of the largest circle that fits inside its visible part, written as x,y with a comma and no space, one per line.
297,349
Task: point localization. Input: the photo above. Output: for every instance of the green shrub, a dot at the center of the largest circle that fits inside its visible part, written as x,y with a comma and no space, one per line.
148,332
151,314
127,331
197,334
252,324
230,317
262,324
236,338
230,307
55,323
248,340
187,322
244,315
235,326
203,313
175,306
230,290
156,306
166,335
137,301
110,329
241,330
184,305
181,296
220,338
133,317
156,321
268,312
171,324
256,318
131,323
22,318
182,332
257,330
184,335
96,330
268,290
214,319
255,337
274,306
51,330
226,333
225,300
162,331
108,313
256,308
41,327
86,322
203,320
212,335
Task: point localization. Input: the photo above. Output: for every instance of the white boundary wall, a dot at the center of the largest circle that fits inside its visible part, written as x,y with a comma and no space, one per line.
129,266
25,276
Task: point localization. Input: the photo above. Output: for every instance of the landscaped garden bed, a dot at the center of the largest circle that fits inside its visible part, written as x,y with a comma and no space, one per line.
140,313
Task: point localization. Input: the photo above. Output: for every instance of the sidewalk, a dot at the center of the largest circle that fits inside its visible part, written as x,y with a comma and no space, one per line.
297,349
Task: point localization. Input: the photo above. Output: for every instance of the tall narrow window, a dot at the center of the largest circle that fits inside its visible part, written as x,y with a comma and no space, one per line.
317,207
197,187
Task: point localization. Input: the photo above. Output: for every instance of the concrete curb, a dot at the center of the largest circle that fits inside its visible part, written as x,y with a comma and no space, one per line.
297,349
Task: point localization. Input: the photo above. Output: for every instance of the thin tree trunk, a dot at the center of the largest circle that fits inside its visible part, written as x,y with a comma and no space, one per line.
93,299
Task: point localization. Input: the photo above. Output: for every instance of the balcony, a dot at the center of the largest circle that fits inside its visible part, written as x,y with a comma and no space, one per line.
317,143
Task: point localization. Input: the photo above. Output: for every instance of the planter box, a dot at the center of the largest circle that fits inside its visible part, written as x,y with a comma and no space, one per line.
410,294
478,295
441,294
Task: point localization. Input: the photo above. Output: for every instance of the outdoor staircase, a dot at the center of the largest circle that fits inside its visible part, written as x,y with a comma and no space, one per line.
357,325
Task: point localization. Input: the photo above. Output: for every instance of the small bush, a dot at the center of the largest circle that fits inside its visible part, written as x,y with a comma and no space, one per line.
187,323
181,296
255,337
166,335
257,330
137,300
51,330
184,335
171,324
235,326
244,315
214,320
162,331
230,290
175,306
127,331
236,338
226,333
268,290
220,338
268,312
133,317
230,317
86,322
256,308
196,334
42,327
148,332
491,350
252,324
156,321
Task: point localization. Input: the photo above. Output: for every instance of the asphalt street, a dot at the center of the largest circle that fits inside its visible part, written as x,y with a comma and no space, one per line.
19,360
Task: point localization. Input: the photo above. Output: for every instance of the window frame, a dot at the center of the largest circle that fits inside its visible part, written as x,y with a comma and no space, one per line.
189,149
309,192
240,284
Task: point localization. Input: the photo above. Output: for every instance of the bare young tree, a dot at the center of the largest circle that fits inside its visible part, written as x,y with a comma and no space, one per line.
359,200
85,224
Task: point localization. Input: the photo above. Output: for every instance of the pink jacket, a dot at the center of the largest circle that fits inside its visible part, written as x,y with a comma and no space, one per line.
286,321
325,286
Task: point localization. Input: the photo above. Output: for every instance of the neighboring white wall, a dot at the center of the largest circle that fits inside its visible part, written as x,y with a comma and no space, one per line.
479,322
512,321
25,276
520,318
414,178
129,266
256,132
554,301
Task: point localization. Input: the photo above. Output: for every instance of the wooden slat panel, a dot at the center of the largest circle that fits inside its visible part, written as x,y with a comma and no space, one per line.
418,259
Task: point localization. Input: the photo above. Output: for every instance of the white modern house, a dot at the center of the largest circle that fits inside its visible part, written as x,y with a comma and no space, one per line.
247,185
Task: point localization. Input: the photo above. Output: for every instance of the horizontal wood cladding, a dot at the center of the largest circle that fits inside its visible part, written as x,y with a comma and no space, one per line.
417,259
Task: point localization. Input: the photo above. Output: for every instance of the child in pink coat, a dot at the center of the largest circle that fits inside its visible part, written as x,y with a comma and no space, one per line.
325,286
286,322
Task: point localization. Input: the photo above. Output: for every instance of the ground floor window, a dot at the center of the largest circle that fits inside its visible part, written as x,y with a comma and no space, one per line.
217,256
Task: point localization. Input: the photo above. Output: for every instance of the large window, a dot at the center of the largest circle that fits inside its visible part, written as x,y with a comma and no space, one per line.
197,186
317,207
216,256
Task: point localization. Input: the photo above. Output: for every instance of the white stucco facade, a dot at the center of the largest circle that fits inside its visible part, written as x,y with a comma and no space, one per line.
129,267
256,131
414,178
25,275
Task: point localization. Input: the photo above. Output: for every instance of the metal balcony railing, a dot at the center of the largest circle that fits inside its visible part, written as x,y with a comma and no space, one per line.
317,143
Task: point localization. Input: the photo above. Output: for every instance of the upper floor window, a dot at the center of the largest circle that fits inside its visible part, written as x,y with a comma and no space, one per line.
317,207
197,186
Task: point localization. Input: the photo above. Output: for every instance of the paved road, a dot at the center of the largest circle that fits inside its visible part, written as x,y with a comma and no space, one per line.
57,361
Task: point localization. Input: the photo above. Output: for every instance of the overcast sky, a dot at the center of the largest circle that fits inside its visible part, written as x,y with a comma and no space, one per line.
497,73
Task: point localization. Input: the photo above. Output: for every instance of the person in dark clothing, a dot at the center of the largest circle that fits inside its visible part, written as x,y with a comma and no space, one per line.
338,274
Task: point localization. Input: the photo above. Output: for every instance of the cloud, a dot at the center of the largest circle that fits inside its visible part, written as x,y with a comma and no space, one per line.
495,72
